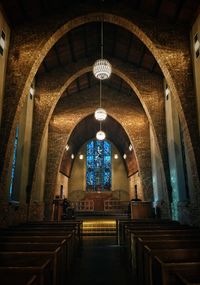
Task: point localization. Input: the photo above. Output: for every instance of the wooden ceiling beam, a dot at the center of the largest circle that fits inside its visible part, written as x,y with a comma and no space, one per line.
142,56
85,42
78,84
179,7
137,4
157,8
120,85
154,65
42,7
129,47
114,40
113,86
45,66
89,79
71,47
57,56
23,10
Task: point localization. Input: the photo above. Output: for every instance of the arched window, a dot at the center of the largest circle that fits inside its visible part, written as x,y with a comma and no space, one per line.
14,163
98,166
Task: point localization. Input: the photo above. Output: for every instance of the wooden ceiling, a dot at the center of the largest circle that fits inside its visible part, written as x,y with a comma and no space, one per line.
85,131
84,41
173,11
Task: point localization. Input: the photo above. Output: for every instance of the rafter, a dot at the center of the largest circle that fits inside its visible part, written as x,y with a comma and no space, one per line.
129,47
114,40
120,85
78,84
85,41
57,56
179,7
157,8
89,79
142,56
137,4
42,7
45,66
23,9
71,47
154,65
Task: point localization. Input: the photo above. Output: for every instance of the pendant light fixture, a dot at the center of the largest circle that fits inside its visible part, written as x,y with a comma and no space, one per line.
100,113
100,135
102,68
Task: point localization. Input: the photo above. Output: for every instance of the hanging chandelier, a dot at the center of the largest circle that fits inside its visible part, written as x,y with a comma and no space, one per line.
102,68
100,114
100,135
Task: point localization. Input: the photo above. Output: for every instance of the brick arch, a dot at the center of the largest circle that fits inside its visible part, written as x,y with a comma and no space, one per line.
133,79
50,90
173,58
60,133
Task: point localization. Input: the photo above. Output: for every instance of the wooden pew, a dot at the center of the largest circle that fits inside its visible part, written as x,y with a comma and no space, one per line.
73,242
142,258
122,224
53,255
165,262
156,234
41,266
52,249
188,277
75,228
22,278
67,231
78,224
62,240
132,227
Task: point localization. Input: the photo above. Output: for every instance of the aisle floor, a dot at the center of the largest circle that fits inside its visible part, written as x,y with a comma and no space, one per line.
100,263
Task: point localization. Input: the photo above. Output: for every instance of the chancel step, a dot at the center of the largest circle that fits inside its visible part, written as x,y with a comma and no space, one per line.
99,227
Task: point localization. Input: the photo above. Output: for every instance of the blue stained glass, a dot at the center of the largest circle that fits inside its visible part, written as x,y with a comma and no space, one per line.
98,165
90,148
14,162
107,149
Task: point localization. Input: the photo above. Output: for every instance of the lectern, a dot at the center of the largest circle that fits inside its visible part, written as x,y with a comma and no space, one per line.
141,210
57,209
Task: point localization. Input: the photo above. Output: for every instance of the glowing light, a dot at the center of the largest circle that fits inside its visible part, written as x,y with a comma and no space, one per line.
100,114
102,69
100,135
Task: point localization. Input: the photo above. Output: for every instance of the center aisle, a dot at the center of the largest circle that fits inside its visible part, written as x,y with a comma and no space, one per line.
100,263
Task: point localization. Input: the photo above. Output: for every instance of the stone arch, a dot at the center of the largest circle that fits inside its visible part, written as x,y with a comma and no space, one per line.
173,58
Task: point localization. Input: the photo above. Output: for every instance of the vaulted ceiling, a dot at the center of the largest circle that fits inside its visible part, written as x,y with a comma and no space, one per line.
84,43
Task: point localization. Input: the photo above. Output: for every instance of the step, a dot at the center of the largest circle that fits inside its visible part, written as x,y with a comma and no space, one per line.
99,227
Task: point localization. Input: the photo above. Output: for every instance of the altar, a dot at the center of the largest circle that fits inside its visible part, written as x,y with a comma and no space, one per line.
98,198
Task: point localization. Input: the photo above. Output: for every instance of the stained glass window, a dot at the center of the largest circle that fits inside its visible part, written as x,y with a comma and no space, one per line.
98,166
14,162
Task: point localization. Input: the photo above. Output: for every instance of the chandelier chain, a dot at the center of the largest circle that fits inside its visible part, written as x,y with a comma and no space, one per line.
102,39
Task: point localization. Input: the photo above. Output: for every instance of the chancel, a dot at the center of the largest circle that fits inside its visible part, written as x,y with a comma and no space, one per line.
99,142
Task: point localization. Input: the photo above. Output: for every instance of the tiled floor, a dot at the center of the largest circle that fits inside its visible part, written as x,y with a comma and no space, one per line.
100,263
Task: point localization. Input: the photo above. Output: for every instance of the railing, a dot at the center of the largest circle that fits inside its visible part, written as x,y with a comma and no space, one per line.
115,205
84,206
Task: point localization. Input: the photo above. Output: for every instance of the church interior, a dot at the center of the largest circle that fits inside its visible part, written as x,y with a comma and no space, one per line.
99,142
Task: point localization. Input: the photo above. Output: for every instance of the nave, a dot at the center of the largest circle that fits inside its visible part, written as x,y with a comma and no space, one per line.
142,252
100,263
